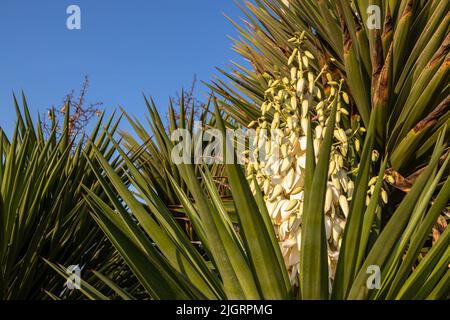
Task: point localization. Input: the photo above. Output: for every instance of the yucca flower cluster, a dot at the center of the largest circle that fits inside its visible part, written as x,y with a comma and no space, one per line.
290,102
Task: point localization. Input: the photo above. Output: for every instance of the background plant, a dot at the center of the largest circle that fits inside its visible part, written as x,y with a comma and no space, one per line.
42,210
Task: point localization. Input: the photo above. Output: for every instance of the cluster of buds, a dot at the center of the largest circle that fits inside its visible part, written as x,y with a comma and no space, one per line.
290,101
373,181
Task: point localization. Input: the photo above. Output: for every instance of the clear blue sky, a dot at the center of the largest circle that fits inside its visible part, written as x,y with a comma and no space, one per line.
125,47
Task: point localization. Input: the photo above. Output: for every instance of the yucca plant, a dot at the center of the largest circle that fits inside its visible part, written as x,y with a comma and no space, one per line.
43,214
242,259
395,79
398,73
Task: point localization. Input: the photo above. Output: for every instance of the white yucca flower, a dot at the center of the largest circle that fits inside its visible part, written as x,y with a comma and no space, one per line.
280,172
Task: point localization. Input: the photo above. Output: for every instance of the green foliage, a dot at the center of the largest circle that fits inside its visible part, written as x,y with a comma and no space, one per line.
42,210
236,258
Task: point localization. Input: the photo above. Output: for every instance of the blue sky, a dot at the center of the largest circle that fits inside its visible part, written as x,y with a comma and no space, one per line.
125,47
